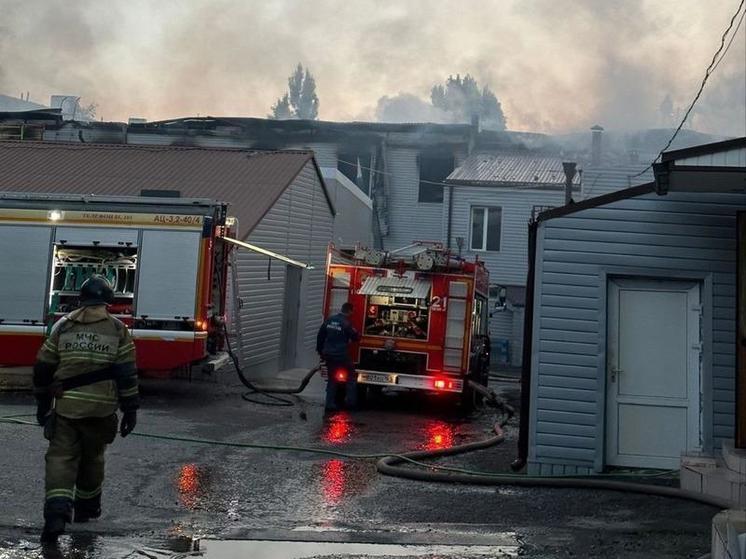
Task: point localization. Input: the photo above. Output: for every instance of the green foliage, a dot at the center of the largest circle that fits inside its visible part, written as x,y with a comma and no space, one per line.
461,98
300,101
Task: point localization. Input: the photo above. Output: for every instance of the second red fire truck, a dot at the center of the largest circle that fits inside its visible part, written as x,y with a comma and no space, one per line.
422,313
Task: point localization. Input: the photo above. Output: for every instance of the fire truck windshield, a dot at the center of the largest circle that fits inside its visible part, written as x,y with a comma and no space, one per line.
395,316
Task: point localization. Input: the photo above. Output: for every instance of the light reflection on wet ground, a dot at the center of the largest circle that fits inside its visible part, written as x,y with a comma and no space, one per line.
91,546
193,485
306,550
161,490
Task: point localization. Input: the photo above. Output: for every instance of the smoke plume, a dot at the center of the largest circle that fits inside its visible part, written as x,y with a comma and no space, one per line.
555,65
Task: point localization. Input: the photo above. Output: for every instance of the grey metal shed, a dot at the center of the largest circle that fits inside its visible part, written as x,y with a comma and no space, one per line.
631,343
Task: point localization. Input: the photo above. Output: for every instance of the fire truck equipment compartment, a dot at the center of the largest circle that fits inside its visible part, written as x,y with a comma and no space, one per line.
168,274
23,273
404,287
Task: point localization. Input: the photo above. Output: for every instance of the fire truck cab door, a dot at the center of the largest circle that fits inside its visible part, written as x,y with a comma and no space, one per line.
167,279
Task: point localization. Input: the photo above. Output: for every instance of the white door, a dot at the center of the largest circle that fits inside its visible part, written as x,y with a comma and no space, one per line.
653,372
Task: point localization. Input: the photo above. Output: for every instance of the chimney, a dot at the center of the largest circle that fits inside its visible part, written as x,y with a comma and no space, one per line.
569,167
596,137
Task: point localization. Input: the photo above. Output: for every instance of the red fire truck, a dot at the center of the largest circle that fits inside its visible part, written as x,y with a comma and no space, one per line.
161,255
422,313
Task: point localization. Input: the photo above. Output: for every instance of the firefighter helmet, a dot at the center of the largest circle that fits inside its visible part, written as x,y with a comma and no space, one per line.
96,291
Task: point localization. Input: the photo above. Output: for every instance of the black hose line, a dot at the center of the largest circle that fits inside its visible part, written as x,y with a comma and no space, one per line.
266,392
390,466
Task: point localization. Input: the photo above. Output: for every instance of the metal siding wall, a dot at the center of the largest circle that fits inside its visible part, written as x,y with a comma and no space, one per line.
501,325
675,234
516,338
353,222
408,219
261,313
299,226
603,180
326,154
731,158
509,265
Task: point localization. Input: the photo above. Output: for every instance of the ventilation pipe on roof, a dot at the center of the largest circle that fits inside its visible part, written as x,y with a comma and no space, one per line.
570,169
596,138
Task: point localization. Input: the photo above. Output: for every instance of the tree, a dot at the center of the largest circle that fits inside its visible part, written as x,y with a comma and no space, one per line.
461,98
281,110
300,101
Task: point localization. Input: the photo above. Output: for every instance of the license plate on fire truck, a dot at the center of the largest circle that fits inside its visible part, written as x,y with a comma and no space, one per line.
376,378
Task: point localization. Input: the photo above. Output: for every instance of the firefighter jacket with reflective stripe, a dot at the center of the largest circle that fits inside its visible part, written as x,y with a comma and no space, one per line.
84,341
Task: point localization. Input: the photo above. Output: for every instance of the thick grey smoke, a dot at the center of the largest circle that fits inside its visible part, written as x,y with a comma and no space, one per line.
406,107
555,65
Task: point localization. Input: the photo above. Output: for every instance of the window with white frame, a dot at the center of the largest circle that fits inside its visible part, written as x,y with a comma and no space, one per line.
486,224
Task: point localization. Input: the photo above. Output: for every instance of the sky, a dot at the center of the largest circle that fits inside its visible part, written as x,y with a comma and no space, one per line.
556,65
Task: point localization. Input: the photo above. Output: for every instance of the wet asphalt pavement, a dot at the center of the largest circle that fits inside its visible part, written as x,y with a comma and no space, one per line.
162,495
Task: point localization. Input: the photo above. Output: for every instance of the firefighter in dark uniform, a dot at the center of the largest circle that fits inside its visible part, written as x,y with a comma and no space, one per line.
84,371
332,345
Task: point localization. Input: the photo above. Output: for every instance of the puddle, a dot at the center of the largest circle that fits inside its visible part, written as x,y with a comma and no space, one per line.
438,434
89,546
337,428
342,479
263,549
192,483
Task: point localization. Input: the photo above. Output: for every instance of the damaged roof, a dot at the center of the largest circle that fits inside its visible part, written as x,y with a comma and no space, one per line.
496,169
250,181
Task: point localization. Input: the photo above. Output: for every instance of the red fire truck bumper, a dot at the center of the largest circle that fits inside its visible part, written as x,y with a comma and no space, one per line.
434,383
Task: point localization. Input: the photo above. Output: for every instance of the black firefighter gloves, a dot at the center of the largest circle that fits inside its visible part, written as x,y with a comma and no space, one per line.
128,422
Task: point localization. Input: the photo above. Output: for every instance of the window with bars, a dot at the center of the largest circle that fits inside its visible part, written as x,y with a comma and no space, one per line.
486,226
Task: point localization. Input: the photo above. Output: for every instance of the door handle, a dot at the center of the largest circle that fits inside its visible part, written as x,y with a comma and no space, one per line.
614,372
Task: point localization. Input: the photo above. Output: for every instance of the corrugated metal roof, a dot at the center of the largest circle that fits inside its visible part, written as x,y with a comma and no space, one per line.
404,287
250,181
491,169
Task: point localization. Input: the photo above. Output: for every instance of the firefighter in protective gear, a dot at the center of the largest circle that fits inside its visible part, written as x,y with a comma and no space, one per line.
84,371
332,345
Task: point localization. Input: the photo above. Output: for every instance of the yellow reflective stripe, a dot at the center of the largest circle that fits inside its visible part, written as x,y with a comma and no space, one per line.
50,347
81,494
86,356
128,392
52,493
86,396
125,348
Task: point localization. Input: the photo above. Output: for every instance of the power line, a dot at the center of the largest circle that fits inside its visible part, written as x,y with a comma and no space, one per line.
389,173
714,63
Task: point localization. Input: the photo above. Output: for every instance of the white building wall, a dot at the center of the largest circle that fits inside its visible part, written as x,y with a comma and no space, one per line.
509,265
409,220
354,220
299,225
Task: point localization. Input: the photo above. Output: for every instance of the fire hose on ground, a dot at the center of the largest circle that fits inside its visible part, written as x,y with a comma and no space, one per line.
269,393
393,463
